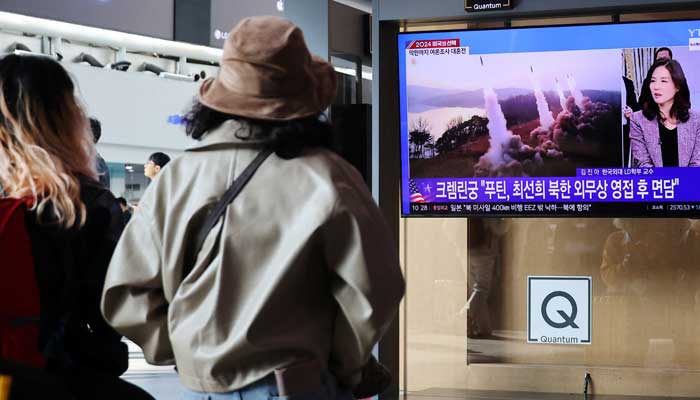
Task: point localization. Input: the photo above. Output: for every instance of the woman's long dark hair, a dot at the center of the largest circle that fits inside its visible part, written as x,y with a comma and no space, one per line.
287,138
45,139
681,101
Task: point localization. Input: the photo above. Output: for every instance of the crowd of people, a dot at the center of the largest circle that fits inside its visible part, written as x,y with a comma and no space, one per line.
281,289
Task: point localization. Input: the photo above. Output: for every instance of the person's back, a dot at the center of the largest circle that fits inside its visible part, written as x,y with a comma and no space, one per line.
75,287
297,223
300,267
47,159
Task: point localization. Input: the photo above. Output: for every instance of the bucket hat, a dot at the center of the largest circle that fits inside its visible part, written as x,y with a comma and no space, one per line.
268,73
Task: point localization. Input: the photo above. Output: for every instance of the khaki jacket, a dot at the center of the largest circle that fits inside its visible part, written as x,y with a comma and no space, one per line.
301,266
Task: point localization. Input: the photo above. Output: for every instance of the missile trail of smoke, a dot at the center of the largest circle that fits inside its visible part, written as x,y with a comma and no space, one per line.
498,131
578,96
562,98
546,119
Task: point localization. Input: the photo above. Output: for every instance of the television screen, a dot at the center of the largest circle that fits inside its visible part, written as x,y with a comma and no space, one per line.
588,120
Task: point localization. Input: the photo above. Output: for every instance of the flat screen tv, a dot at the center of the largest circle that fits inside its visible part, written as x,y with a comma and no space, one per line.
581,121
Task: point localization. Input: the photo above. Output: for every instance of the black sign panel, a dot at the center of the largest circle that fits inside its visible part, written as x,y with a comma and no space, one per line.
149,18
487,5
225,14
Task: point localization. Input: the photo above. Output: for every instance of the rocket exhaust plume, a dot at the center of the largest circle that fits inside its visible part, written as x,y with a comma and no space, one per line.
578,96
499,133
505,148
546,119
562,98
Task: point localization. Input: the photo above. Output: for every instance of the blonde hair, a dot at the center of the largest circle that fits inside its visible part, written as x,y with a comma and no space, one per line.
45,143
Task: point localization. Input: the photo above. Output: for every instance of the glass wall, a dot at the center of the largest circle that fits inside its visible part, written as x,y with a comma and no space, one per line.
466,304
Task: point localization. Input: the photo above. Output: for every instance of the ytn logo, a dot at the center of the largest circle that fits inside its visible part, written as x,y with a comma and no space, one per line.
694,32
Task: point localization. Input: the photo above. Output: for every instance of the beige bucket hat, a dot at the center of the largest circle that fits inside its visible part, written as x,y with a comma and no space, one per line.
268,73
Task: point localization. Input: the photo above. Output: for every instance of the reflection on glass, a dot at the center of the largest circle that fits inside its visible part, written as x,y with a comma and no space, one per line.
646,289
646,257
484,239
466,298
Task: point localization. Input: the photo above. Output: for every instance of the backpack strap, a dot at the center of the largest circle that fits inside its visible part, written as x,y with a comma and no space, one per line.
220,207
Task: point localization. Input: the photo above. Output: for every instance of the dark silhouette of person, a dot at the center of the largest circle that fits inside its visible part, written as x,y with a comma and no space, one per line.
102,169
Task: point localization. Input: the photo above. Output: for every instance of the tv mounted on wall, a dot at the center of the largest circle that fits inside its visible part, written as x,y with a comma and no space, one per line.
551,121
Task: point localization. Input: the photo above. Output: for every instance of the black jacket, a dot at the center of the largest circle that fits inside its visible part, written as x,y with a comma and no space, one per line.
70,268
630,95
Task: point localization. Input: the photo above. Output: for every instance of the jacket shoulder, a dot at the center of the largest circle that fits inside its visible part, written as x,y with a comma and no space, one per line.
92,193
339,170
638,117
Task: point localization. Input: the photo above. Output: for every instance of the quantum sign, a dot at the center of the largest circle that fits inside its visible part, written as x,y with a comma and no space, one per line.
487,5
559,309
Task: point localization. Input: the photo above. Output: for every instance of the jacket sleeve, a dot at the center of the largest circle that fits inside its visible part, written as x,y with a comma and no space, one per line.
695,155
133,301
367,282
638,144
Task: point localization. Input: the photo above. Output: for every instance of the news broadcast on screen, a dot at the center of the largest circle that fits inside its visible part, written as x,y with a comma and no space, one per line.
588,120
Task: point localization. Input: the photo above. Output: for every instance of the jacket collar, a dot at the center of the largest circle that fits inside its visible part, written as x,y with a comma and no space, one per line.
230,133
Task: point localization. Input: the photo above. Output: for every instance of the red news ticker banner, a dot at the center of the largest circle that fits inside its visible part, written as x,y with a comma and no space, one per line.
433,44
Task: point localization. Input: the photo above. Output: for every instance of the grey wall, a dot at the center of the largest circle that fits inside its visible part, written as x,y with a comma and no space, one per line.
312,17
225,14
192,21
347,32
134,108
143,17
419,9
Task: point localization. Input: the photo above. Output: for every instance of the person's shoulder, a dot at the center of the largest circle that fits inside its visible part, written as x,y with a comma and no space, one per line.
333,174
638,116
693,117
339,170
93,193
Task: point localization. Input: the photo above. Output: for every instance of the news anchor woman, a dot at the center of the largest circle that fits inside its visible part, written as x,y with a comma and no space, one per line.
666,133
